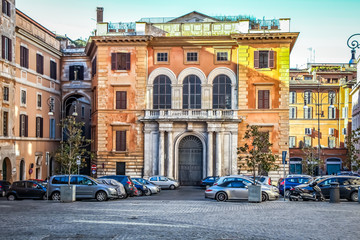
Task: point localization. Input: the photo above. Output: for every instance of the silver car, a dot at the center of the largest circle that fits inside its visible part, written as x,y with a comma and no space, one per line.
164,182
153,187
117,185
86,187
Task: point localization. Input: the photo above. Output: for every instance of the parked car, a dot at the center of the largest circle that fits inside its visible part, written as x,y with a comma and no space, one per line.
86,187
348,186
151,186
237,190
164,182
141,188
263,179
347,173
291,182
126,181
208,181
4,186
118,186
26,189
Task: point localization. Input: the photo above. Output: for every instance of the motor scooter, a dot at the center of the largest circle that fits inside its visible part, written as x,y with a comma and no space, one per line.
297,194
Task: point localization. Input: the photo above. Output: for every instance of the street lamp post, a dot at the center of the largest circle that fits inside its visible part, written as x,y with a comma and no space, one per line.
353,44
319,113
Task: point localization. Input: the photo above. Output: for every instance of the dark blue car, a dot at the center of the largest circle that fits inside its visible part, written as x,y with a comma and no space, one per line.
208,181
291,182
141,188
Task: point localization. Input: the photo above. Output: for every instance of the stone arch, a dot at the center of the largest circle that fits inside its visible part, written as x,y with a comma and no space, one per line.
192,71
222,70
162,71
78,93
6,170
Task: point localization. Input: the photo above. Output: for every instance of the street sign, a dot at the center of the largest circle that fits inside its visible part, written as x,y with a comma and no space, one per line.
284,157
93,167
93,171
78,161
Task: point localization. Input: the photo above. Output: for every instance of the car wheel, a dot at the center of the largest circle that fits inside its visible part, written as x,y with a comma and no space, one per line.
221,197
287,193
172,187
56,196
44,197
123,196
354,196
148,192
11,197
264,197
140,192
101,196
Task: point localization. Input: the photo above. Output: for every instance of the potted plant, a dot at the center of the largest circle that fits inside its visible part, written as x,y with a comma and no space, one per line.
258,157
72,147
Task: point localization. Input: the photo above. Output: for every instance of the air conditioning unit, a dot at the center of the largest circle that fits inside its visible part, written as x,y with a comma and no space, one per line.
308,131
331,131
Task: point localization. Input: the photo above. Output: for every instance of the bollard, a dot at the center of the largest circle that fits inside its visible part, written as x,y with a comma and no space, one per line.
334,192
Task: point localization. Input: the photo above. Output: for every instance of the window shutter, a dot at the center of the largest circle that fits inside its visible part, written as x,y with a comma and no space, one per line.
123,141
113,61
128,61
256,59
55,70
260,99
27,57
81,73
22,52
118,140
271,59
8,9
71,73
21,117
266,99
3,46
118,99
26,125
41,127
37,63
10,49
123,100
3,6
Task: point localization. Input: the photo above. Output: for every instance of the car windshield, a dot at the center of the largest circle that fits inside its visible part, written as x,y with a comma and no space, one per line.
93,179
171,179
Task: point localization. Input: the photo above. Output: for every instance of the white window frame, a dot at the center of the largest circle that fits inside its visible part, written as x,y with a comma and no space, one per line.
305,141
293,112
332,112
331,142
308,131
308,113
21,102
292,97
292,141
37,96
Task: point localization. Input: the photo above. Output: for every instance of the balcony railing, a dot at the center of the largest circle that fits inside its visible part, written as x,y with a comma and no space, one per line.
190,114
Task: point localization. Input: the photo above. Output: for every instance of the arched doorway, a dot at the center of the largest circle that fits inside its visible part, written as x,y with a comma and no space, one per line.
190,160
22,170
6,169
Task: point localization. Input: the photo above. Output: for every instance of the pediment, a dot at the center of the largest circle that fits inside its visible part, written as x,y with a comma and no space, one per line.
194,17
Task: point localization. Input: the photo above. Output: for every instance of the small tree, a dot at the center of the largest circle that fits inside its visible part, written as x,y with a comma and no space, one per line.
352,141
73,146
310,157
258,155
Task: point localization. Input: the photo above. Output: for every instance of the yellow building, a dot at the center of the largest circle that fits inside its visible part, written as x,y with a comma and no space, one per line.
320,114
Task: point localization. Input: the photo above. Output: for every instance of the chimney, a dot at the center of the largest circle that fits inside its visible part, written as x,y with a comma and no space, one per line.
99,14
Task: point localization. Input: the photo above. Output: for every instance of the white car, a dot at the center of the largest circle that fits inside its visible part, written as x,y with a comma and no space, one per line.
164,182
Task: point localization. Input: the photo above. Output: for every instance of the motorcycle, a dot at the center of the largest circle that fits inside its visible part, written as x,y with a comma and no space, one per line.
297,194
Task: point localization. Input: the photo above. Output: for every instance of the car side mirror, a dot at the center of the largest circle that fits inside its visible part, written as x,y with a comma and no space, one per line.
246,187
90,183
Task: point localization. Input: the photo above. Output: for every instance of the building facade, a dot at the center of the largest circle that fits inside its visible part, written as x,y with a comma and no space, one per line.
174,97
320,115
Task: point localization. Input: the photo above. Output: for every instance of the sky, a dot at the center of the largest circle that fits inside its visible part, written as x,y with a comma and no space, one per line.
324,25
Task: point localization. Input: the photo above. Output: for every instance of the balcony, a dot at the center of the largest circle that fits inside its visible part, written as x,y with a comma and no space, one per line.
191,114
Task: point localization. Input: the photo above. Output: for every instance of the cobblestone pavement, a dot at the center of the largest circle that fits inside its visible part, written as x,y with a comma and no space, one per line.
190,217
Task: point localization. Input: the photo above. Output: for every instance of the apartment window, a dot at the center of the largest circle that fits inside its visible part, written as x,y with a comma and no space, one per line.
292,96
331,142
120,61
264,59
23,125
23,97
93,67
344,112
292,142
39,127
307,141
53,70
222,92
308,113
222,56
192,56
52,128
162,92
24,57
307,97
39,63
331,96
332,113
292,113
5,124
6,47
38,101
120,141
308,131
6,8
121,100
162,57
192,92
82,112
76,72
6,94
307,77
263,99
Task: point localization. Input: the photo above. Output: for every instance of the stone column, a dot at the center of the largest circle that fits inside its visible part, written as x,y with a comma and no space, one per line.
148,154
210,154
170,165
218,154
161,154
234,158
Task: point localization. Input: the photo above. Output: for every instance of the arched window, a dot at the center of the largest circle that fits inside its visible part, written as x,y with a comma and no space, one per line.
222,92
162,92
192,92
